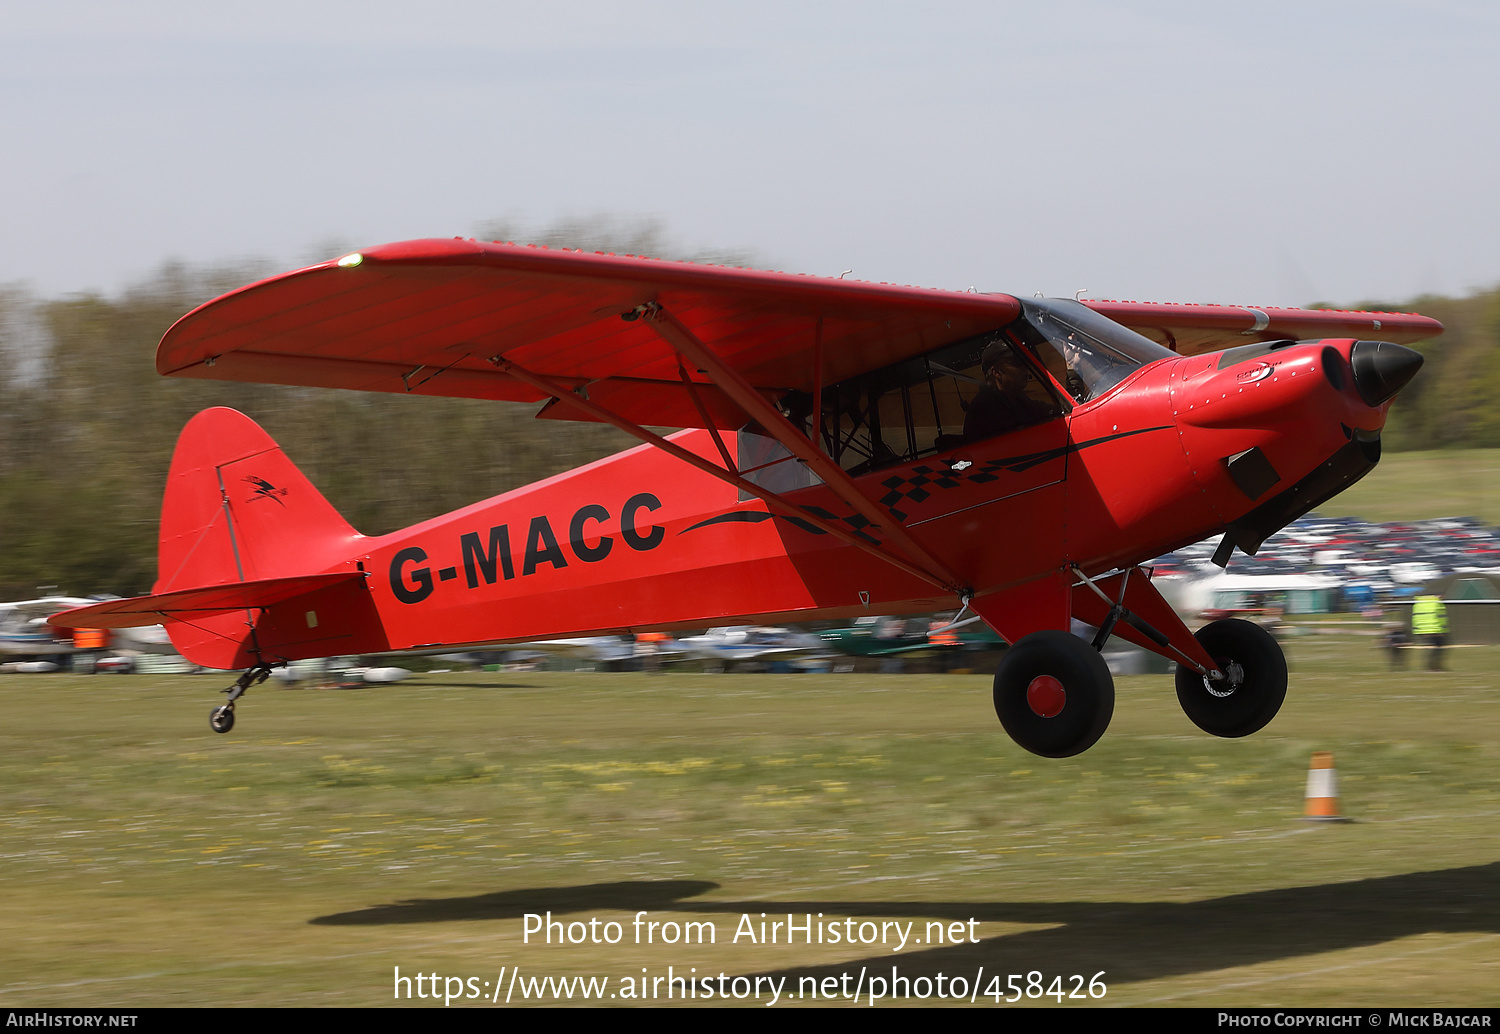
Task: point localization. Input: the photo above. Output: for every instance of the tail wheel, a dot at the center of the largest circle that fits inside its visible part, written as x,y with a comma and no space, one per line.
222,718
1054,694
1254,683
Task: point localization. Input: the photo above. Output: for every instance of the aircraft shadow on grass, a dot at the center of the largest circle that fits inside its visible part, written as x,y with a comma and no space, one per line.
1130,941
630,895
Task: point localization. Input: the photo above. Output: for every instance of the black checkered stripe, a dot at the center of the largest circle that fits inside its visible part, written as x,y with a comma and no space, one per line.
918,486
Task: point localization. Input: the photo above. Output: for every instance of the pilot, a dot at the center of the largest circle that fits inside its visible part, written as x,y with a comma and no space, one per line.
1002,403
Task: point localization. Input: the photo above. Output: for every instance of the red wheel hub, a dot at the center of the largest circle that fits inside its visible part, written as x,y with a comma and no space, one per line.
1046,696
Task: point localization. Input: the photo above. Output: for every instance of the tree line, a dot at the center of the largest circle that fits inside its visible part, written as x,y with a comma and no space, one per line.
1452,403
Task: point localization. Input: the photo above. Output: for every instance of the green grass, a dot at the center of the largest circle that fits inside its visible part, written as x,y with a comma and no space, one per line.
335,835
1409,486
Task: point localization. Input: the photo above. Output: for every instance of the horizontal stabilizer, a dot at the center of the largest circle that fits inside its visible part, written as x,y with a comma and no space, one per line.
210,599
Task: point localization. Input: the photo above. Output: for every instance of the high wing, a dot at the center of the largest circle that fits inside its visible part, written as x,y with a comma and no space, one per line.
436,317
432,317
628,341
1190,329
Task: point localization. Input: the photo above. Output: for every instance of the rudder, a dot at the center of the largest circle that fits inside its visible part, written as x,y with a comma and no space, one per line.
237,509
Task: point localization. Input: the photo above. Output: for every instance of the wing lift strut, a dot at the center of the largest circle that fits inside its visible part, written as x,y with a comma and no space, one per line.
899,548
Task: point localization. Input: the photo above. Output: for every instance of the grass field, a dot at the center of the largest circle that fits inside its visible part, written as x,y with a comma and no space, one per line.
334,836
1409,486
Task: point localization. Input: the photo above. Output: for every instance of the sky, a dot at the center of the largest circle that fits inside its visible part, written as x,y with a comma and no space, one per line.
1260,153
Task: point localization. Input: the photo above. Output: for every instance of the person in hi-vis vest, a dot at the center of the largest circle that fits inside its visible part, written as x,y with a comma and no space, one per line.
1429,625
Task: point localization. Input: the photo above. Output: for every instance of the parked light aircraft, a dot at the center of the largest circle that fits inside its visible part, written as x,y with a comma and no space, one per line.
850,449
890,637
25,631
753,644
610,652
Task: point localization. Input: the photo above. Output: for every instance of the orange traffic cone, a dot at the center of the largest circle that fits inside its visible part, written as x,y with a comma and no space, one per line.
1322,790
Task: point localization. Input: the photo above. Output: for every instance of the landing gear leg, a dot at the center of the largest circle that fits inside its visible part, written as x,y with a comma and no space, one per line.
221,718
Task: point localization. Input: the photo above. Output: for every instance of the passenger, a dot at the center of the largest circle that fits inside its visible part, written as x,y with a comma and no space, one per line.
1002,403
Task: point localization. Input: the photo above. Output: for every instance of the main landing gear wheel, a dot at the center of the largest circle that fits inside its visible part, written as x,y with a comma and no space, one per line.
1054,694
222,718
1254,683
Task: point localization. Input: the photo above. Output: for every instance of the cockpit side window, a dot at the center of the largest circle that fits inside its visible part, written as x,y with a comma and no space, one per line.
967,391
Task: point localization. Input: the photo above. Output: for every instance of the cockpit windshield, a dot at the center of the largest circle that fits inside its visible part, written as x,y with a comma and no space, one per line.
1087,353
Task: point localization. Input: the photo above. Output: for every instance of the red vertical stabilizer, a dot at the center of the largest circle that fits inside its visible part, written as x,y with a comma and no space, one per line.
236,509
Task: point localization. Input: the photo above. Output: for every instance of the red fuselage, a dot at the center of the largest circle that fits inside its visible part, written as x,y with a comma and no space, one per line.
640,540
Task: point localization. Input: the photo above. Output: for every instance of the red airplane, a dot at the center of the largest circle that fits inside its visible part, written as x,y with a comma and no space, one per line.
850,449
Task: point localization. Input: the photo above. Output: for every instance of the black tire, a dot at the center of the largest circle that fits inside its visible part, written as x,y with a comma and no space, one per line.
1087,694
221,719
1254,690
